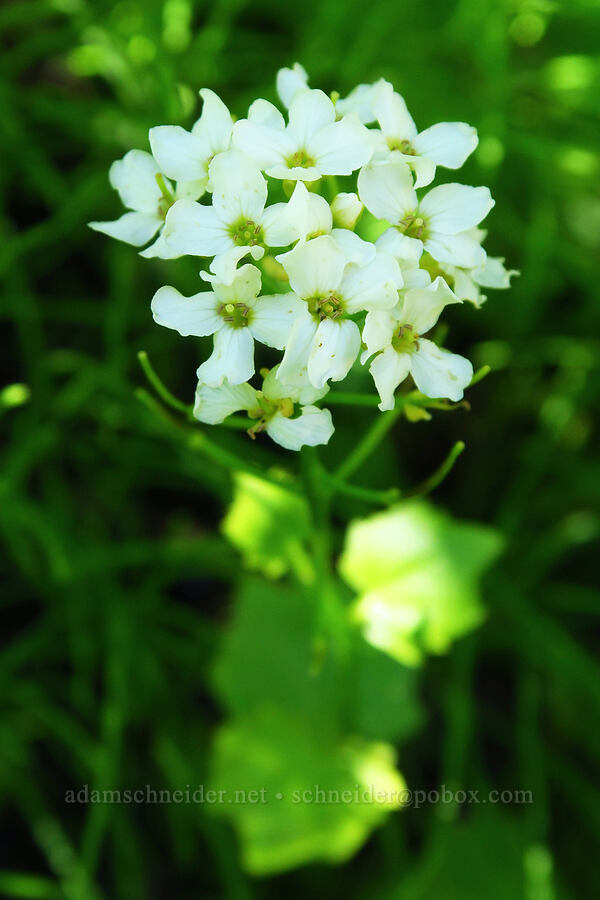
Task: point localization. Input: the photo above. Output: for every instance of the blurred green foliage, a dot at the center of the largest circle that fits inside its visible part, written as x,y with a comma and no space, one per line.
129,615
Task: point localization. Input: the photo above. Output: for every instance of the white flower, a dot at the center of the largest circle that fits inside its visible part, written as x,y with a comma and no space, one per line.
237,217
283,411
466,283
325,341
184,155
407,254
446,144
236,315
289,82
143,190
440,222
311,145
360,101
310,216
397,332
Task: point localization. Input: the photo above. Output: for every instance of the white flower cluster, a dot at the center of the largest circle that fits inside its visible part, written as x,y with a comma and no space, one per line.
268,190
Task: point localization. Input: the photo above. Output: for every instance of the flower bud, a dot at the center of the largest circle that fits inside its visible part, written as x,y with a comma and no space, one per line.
346,209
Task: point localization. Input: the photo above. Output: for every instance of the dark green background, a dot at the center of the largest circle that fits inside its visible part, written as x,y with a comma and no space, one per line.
115,583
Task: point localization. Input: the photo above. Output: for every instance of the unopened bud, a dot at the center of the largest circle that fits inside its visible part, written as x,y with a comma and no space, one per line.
346,210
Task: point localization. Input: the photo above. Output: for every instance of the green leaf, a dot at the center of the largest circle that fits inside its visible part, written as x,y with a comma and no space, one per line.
387,706
295,795
268,652
487,856
417,572
267,523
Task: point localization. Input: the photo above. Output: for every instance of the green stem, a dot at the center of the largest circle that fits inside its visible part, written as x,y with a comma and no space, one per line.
197,440
438,476
383,498
480,374
340,398
369,442
163,392
167,194
331,629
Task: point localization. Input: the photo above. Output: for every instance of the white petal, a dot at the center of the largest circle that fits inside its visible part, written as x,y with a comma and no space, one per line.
456,249
452,208
232,358
293,368
196,315
346,210
378,330
264,113
179,153
492,274
134,228
309,112
464,286
386,189
223,268
355,249
341,147
422,308
360,101
415,277
239,189
215,124
296,173
423,168
266,145
401,247
389,369
244,287
134,177
438,373
312,427
391,113
309,213
447,143
274,389
289,82
213,404
273,317
196,230
374,286
315,268
278,226
335,348
191,190
160,249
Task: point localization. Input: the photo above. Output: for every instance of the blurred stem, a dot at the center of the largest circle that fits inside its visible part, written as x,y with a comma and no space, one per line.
436,478
341,398
330,187
384,497
369,442
197,440
163,392
331,625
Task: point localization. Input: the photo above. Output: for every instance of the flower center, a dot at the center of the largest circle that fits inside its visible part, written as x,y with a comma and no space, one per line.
403,146
247,233
330,307
412,226
265,409
405,340
237,315
300,158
